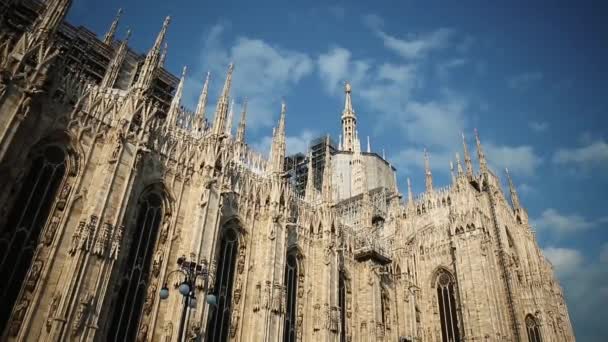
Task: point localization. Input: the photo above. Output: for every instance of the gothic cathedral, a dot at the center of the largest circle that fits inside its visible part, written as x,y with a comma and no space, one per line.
126,217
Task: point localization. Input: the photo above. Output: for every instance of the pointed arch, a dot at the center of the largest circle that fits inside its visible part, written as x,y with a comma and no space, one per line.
293,282
533,329
48,164
230,238
151,206
445,284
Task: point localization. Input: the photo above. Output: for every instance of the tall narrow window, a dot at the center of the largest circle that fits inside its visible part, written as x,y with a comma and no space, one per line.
447,307
533,329
135,277
219,320
342,304
291,281
19,236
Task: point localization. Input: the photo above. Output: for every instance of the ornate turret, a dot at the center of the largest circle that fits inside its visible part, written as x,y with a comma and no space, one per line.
458,165
514,197
326,186
163,55
221,110
468,164
230,118
51,17
151,63
410,195
349,121
177,100
452,172
369,147
240,131
277,153
109,78
483,165
199,114
310,180
109,37
427,172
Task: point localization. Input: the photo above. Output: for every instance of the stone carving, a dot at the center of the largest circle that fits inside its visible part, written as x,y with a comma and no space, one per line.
164,232
63,196
234,323
334,319
299,322
18,316
267,290
276,298
241,260
142,333
116,241
158,261
194,332
32,280
168,332
82,313
49,234
150,296
77,237
52,310
236,292
257,297
101,242
316,318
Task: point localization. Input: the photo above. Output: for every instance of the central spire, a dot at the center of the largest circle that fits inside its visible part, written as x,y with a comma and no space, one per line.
349,121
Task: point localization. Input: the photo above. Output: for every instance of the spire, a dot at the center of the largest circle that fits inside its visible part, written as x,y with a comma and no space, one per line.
230,118
51,17
514,197
340,142
148,70
109,78
310,180
240,132
277,153
349,120
177,99
163,55
369,148
483,165
467,157
410,195
458,165
199,114
109,37
452,172
221,110
427,172
326,184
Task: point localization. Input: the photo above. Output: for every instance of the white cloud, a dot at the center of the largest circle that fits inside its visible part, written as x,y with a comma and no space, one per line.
337,66
408,158
416,46
538,126
604,253
524,81
263,73
565,260
295,143
594,153
521,160
552,220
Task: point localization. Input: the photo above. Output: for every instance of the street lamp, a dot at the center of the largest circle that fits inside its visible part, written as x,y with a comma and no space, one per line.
191,271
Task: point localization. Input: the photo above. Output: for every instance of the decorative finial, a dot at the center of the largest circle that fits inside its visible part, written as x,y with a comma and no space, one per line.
410,195
514,196
467,157
109,37
427,172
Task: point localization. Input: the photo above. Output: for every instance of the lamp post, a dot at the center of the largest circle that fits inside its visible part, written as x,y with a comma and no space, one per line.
187,288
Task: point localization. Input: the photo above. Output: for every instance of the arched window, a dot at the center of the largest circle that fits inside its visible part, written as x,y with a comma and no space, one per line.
219,320
533,329
134,279
291,283
342,304
446,298
19,236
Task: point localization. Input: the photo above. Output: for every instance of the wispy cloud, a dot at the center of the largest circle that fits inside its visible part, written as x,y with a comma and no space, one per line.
416,46
565,261
524,81
594,153
522,160
264,72
561,224
538,126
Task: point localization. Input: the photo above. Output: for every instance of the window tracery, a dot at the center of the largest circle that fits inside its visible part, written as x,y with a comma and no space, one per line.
446,297
533,329
19,235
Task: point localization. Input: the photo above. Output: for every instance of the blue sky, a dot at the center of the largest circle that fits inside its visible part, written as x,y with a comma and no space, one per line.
530,77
